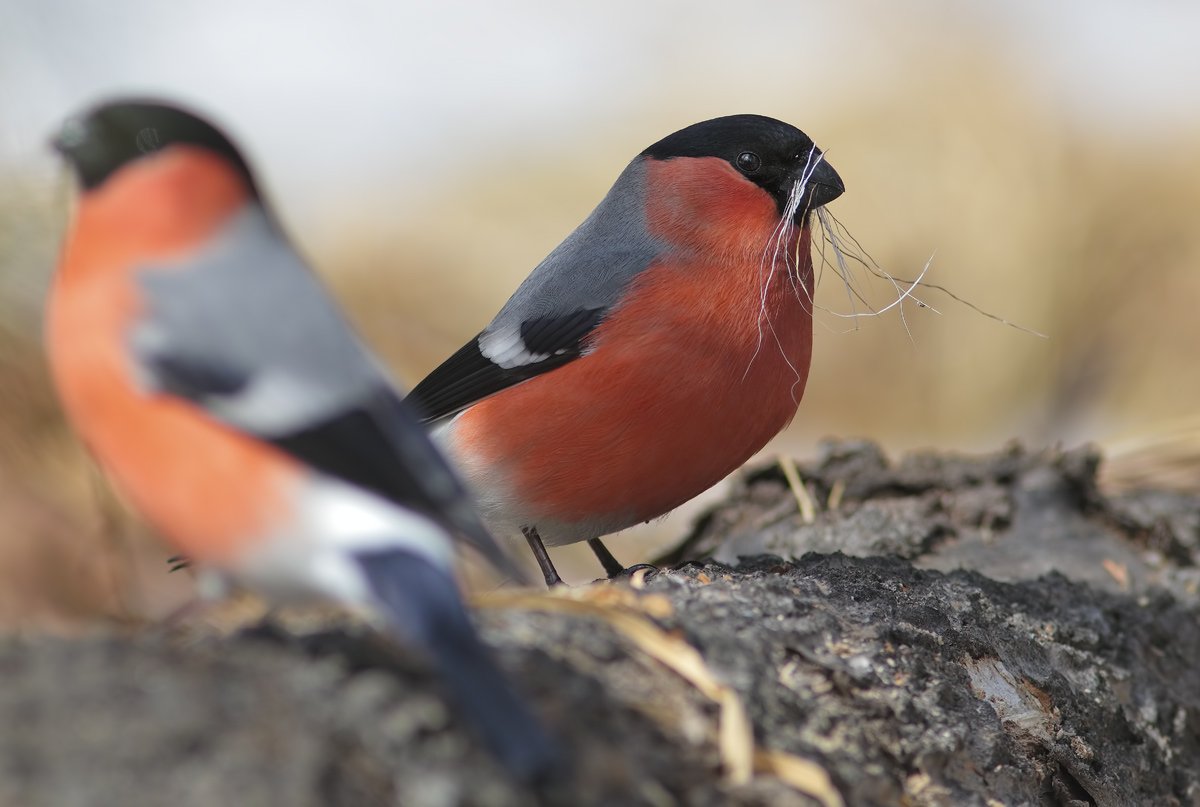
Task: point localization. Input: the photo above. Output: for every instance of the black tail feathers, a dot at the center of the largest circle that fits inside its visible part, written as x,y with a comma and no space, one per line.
422,602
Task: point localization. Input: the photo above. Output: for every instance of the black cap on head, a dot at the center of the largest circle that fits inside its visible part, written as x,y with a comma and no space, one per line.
106,137
768,152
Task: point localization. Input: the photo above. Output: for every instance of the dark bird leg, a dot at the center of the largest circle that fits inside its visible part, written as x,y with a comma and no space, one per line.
543,557
613,567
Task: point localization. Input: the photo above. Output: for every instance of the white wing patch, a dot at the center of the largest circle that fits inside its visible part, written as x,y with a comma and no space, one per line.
505,348
265,350
275,402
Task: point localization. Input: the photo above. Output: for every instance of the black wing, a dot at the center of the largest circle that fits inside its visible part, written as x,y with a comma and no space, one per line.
378,446
381,447
267,353
468,376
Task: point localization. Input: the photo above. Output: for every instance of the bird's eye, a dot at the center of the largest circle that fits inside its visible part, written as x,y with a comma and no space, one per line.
748,162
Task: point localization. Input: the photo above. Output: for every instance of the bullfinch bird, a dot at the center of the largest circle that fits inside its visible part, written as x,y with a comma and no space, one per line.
217,384
664,342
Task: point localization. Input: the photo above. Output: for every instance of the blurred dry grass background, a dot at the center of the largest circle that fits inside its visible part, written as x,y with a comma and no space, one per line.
1030,212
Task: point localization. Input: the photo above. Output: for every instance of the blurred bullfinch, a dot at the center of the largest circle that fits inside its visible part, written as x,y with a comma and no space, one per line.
657,348
214,380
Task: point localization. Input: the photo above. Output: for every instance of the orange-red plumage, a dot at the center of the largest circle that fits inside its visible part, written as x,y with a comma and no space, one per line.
652,352
207,487
694,371
227,397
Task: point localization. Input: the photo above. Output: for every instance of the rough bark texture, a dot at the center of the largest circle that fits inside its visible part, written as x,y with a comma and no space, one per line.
947,631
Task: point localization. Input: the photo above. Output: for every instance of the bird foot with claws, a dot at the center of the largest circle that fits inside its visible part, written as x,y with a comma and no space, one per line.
637,573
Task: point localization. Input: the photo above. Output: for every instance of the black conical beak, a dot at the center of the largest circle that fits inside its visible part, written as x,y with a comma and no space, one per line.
70,136
823,185
59,145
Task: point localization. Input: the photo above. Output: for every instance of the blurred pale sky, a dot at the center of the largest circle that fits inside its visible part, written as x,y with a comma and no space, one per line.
385,97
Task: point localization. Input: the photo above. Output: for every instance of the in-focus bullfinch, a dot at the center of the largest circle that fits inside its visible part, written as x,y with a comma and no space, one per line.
651,353
213,378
